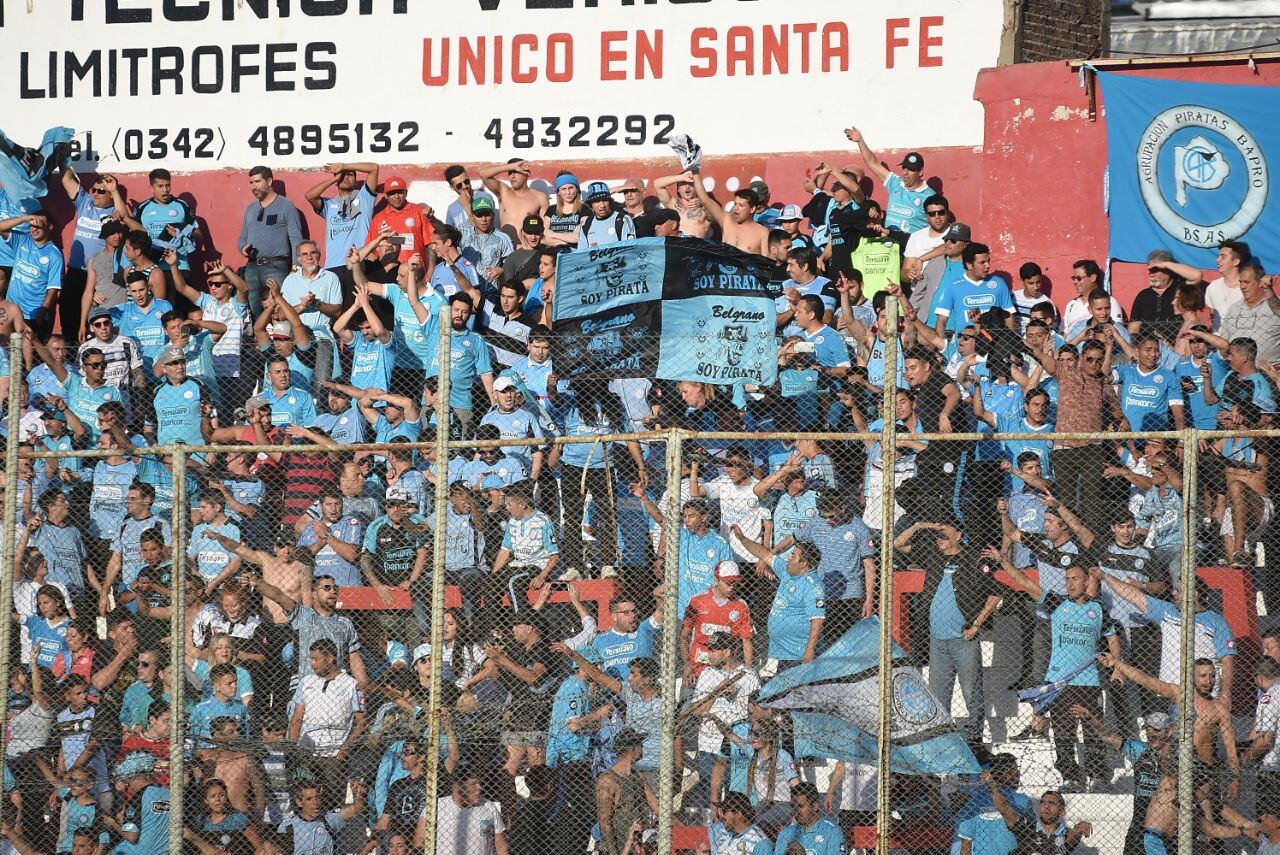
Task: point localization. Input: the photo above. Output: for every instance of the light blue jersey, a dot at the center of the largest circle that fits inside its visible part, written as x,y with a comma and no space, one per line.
798,601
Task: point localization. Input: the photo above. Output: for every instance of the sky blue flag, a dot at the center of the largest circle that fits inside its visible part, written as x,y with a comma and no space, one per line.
23,171
1188,168
833,702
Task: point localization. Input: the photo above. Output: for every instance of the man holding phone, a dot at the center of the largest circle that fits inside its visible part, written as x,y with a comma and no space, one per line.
406,224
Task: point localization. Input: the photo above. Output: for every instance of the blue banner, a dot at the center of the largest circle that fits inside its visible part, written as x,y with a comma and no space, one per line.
1188,168
672,308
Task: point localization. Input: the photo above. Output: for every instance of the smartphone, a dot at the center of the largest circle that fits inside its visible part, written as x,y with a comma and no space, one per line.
398,240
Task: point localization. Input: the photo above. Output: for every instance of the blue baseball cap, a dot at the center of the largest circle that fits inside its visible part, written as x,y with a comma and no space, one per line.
598,191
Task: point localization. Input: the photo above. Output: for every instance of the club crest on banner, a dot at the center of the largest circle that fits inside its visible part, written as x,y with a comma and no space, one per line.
1203,175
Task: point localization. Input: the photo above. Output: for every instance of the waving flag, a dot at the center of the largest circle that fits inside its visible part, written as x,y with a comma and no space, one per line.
833,703
1042,697
23,171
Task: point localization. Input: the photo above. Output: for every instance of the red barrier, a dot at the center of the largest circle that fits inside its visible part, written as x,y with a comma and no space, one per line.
687,838
600,592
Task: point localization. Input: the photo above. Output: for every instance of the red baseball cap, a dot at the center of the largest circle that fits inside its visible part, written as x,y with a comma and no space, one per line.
393,184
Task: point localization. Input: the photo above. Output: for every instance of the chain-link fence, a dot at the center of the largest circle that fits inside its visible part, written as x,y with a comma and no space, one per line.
639,616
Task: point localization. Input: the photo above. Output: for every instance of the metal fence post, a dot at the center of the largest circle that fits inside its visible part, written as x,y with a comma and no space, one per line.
888,457
669,661
1187,606
439,547
177,650
8,540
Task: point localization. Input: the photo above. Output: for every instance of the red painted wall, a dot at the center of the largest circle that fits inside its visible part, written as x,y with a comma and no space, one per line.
1033,191
1041,183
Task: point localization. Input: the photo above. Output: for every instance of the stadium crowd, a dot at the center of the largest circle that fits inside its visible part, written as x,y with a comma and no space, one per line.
306,720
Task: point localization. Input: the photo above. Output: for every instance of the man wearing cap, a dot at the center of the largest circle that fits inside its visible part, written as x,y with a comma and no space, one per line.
1149,759
1154,307
658,222
737,227
270,233
603,224
717,609
123,356
735,831
483,244
146,812
404,222
907,193
930,291
395,555
633,203
347,214
622,794
521,265
720,701
104,283
95,208
182,407
516,199
761,211
789,221
514,421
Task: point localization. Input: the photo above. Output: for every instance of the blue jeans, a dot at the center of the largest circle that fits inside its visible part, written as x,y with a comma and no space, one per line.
256,276
950,658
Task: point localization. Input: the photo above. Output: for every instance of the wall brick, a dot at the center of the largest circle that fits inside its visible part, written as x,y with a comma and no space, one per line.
1062,29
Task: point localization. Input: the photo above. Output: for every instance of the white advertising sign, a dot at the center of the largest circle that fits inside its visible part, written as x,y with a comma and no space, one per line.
207,84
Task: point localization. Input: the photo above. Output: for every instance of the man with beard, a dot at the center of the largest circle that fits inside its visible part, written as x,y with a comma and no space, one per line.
270,235
346,215
1145,757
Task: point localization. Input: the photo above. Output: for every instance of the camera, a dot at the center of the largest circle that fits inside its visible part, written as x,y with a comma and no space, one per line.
251,252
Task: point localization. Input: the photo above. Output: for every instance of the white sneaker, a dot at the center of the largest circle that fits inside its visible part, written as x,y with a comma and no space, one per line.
608,571
570,575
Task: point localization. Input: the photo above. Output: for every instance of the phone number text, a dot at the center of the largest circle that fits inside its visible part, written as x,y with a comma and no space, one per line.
580,131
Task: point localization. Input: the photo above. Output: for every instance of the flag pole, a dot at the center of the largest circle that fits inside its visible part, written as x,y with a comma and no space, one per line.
888,457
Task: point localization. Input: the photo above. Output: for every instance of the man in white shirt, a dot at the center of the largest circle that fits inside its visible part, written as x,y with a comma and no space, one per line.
925,244
720,699
328,715
1224,292
736,490
316,295
466,822
1265,747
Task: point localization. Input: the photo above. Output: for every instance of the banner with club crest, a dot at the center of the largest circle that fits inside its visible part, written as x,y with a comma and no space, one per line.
671,308
1188,168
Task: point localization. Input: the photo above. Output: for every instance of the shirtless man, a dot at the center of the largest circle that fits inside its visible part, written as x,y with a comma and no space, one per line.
737,227
516,199
237,769
1213,718
684,202
281,570
1161,833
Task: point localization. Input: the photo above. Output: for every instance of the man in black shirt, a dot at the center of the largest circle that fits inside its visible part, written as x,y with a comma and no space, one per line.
962,595
939,409
525,666
405,798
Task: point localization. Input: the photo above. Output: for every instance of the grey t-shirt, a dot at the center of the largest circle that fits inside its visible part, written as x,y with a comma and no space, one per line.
312,626
106,286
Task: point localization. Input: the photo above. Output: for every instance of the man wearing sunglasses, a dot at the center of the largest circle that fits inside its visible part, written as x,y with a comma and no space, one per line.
95,207
87,389
459,212
347,214
124,358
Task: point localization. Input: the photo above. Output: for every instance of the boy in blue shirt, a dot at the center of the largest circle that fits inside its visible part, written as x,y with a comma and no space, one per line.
977,291
224,704
1149,394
